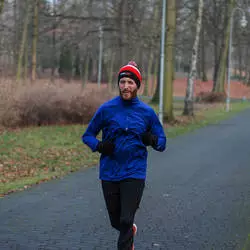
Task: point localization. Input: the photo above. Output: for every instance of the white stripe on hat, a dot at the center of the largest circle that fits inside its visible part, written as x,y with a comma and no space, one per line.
134,68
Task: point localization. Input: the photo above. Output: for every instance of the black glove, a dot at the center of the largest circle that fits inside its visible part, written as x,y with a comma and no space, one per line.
149,139
106,148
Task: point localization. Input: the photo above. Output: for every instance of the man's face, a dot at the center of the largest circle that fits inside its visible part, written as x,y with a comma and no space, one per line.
128,88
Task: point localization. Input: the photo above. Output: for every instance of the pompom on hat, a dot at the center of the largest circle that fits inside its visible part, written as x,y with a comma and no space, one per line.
131,71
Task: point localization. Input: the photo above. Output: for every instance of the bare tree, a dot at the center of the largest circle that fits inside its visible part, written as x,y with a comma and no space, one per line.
189,100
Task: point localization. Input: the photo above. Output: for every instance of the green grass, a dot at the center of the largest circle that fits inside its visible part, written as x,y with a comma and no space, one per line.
31,155
40,153
247,244
204,118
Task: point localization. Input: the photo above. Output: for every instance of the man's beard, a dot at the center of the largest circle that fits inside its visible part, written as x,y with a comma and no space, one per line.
128,95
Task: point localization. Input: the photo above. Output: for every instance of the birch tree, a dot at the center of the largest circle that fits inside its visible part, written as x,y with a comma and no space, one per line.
189,107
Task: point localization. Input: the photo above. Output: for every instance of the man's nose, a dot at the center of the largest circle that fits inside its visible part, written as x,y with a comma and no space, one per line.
126,85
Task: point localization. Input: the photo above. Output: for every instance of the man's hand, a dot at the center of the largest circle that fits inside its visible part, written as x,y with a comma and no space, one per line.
149,139
106,148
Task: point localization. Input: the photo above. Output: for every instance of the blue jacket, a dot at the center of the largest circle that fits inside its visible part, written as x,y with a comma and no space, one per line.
124,122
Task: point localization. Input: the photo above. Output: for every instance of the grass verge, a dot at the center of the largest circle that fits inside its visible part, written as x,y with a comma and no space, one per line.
36,154
247,244
213,115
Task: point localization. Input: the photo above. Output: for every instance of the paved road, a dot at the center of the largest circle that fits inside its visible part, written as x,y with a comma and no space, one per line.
197,197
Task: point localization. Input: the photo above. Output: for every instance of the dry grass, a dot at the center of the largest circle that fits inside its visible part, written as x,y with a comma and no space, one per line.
211,97
44,103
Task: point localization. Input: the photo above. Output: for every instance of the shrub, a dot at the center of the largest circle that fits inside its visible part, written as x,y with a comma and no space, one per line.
210,97
48,104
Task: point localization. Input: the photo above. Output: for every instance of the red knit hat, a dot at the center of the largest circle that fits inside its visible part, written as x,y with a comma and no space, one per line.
130,70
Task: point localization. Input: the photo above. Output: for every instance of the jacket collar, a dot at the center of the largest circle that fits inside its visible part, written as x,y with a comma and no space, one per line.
129,102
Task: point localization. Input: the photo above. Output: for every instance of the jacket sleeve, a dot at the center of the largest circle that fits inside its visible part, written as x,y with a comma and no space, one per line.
93,129
157,129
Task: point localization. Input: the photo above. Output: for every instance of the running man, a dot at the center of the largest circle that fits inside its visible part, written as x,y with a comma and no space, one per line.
128,127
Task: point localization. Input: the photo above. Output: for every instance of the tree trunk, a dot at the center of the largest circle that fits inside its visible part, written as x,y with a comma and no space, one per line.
54,64
73,57
149,72
217,68
220,85
203,57
35,38
15,45
219,44
216,62
189,102
151,56
169,61
129,52
24,35
110,73
156,69
240,67
26,57
156,87
122,29
94,69
86,70
246,63
1,5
